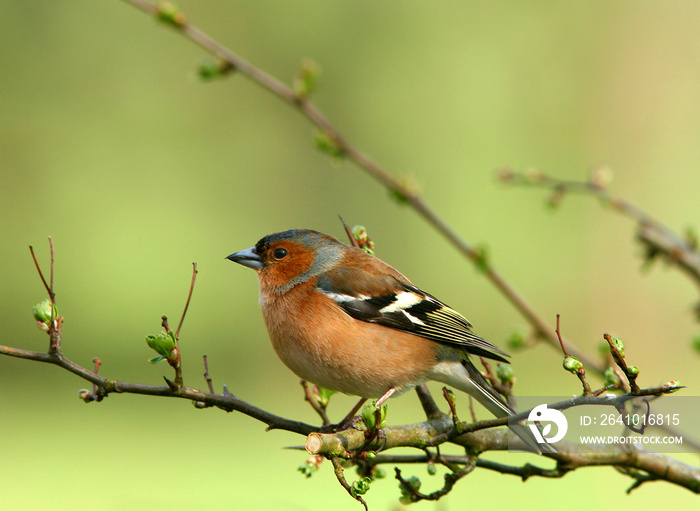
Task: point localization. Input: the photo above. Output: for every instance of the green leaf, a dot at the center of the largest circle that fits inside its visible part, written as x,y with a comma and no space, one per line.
163,343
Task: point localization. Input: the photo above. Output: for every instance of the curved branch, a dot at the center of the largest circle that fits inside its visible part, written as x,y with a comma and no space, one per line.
106,386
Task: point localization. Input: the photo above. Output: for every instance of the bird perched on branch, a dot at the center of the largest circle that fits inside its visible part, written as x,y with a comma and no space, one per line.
347,321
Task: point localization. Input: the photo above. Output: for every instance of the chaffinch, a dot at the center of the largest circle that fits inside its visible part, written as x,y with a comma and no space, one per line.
347,321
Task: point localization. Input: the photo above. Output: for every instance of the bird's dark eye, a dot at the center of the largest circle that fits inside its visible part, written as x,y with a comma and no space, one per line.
280,253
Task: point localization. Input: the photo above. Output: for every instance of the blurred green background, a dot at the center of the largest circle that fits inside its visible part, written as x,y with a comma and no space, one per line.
109,144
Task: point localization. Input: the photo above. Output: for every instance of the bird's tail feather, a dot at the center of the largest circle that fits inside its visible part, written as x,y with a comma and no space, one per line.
467,378
489,398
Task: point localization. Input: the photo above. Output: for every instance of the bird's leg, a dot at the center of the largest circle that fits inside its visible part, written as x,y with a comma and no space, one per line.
386,396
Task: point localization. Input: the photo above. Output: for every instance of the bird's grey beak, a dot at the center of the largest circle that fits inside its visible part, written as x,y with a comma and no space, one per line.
248,258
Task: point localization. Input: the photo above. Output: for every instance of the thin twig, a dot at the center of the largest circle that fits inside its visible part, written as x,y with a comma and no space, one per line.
107,386
207,378
53,259
310,398
581,371
41,274
561,342
187,303
340,476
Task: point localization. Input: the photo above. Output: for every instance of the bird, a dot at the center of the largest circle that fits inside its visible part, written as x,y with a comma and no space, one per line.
346,321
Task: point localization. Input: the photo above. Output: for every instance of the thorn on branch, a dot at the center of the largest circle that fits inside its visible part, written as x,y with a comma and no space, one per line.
207,378
210,385
173,386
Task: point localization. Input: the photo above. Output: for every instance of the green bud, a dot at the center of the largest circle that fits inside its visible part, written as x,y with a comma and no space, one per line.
171,15
611,377
505,374
408,188
517,340
406,494
42,311
572,364
371,455
378,473
360,234
199,404
326,144
163,344
306,80
632,371
619,345
673,383
323,395
482,258
210,69
360,487
432,469
85,395
369,415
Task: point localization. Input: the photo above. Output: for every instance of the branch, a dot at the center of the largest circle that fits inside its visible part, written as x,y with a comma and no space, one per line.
655,467
106,386
658,239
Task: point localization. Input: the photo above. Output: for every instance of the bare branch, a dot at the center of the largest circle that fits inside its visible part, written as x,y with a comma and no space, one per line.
657,237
